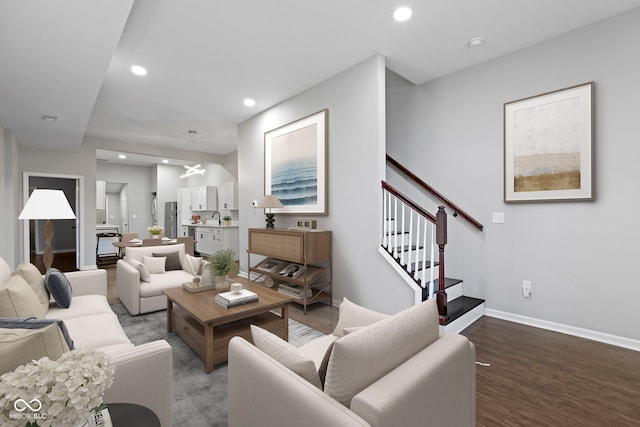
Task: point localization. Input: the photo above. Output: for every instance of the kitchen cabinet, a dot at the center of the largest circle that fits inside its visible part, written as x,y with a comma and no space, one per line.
228,196
184,206
213,239
204,198
183,231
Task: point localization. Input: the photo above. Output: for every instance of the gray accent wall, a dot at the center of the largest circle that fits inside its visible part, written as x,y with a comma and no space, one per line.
355,100
579,256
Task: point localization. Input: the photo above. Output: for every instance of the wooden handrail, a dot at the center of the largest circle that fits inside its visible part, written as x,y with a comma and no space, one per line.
408,202
456,210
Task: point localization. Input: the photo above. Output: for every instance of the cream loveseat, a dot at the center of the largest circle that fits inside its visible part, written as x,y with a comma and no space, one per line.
143,373
140,296
396,371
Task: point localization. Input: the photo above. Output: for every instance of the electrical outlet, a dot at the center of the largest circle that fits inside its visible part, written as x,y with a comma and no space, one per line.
526,288
497,217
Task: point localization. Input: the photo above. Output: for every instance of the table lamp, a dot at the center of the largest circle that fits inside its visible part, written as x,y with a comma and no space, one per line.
268,202
47,204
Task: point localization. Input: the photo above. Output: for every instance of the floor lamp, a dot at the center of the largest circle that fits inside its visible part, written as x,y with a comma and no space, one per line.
47,204
268,202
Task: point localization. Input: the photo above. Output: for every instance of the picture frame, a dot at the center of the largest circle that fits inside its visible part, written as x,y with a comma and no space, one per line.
270,265
295,165
549,146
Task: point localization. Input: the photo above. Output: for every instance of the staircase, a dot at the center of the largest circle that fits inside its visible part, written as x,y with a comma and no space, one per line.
413,242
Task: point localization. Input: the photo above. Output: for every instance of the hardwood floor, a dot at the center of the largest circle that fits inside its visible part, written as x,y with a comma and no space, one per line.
544,378
536,378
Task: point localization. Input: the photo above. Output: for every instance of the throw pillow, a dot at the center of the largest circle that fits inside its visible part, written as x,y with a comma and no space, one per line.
17,299
173,260
352,315
59,287
33,323
21,346
380,347
286,354
142,269
155,265
192,264
33,277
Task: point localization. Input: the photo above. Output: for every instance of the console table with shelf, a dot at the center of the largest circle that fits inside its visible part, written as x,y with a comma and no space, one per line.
309,248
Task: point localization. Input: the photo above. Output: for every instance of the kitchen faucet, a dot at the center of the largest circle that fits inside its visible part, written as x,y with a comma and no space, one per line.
214,215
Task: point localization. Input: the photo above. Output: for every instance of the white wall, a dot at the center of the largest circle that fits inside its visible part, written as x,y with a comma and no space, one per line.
9,241
580,256
81,163
139,180
355,99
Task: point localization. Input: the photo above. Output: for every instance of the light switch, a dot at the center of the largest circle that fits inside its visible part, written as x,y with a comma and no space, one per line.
498,217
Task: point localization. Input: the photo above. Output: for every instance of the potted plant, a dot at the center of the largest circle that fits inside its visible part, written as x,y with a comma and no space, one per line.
155,231
227,220
221,264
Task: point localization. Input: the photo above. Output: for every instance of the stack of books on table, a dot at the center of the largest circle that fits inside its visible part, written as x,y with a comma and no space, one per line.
232,299
295,291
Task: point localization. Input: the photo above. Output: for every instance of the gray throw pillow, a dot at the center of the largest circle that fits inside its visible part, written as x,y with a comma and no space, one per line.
34,323
173,260
59,287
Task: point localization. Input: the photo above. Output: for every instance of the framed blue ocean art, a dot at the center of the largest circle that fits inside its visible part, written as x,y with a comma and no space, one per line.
295,165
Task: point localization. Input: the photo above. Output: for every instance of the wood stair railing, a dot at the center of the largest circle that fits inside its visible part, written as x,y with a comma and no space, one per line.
455,209
408,230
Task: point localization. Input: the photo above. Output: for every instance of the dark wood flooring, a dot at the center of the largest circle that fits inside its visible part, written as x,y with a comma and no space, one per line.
536,378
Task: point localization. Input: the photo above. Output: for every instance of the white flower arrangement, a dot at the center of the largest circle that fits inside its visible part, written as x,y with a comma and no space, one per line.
60,392
155,230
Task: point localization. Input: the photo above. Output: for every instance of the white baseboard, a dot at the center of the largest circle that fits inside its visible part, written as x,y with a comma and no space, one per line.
618,341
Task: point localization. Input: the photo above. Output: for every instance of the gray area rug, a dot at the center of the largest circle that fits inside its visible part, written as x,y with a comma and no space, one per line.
199,400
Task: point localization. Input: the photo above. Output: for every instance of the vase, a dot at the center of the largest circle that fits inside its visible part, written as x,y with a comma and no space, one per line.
222,283
155,236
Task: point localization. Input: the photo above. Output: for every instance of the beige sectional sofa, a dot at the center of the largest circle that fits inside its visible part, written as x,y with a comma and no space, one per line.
143,373
373,370
140,296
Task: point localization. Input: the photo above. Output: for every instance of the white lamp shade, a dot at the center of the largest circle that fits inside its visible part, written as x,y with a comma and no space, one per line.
47,204
270,201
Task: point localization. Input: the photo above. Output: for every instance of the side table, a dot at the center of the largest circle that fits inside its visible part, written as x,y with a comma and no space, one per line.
132,415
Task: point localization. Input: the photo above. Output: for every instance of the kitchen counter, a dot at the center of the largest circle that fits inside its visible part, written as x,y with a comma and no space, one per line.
210,225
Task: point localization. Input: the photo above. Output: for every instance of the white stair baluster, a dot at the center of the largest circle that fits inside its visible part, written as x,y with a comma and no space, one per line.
433,246
409,259
424,255
417,256
395,227
402,250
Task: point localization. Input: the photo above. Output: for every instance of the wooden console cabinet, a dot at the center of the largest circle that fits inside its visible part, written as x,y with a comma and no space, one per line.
311,249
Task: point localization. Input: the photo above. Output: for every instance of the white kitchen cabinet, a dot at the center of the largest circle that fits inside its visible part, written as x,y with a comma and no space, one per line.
183,231
204,198
213,239
228,196
184,206
205,239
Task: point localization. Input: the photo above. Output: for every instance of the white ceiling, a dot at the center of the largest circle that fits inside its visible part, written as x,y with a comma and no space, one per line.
71,58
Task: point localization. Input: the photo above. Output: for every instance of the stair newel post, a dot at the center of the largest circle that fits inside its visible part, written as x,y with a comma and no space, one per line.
441,241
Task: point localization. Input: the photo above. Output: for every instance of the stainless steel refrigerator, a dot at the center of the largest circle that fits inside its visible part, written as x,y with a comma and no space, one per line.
171,219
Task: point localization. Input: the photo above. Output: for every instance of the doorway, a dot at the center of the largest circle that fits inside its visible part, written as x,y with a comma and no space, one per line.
66,238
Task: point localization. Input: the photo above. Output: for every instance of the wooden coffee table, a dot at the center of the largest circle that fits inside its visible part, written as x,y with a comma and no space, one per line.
207,327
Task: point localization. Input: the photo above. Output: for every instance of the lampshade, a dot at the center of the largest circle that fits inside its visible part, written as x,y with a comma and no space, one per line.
47,204
270,201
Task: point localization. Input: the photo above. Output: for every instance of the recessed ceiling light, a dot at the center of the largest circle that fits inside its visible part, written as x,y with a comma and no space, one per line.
402,14
139,70
249,102
165,161
475,42
122,156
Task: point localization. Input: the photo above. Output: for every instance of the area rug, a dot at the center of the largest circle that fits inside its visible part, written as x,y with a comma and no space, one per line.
198,399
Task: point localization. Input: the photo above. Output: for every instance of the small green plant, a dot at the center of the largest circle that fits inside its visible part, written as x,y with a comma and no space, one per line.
226,218
223,262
